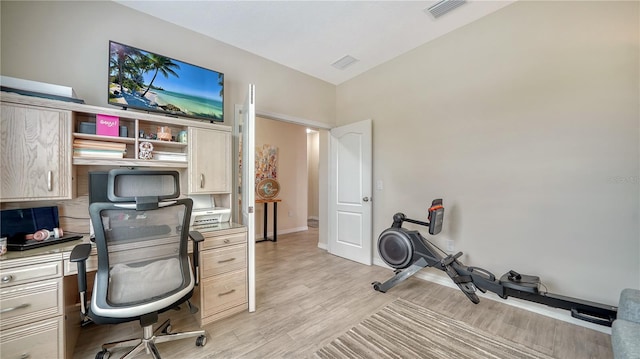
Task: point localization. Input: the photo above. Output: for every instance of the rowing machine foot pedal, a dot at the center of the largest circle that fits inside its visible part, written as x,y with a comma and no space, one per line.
593,318
521,282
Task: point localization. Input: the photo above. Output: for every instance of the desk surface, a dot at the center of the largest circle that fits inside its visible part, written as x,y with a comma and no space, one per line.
260,200
67,247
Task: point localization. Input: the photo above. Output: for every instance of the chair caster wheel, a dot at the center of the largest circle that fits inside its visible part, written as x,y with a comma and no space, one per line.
201,341
104,354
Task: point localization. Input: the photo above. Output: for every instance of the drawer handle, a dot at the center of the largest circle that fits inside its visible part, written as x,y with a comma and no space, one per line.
21,306
7,278
25,356
227,260
225,293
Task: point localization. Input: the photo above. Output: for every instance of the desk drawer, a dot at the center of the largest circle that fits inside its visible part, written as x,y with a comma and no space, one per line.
223,260
30,302
223,291
29,273
38,340
221,241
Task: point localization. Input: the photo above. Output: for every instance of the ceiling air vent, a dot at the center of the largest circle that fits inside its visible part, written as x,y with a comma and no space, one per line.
443,7
344,62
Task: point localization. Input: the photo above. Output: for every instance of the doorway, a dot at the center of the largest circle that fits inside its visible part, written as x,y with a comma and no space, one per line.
289,153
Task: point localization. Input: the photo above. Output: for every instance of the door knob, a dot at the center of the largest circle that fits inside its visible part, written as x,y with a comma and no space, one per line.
365,199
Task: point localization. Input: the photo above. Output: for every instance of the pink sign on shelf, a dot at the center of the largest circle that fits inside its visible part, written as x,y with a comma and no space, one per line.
107,125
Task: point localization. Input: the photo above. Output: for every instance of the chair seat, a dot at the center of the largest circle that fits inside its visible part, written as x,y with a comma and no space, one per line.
133,284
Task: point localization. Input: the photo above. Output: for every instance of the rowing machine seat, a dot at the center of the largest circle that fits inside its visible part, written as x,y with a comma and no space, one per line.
521,282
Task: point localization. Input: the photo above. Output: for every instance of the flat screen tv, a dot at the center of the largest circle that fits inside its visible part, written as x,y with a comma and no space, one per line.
143,80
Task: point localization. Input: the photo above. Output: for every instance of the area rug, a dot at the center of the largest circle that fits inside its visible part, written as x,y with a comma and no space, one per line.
405,330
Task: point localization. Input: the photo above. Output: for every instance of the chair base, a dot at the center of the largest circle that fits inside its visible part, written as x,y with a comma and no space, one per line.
150,339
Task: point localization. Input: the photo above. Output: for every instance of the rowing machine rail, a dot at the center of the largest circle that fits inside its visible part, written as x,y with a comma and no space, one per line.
408,252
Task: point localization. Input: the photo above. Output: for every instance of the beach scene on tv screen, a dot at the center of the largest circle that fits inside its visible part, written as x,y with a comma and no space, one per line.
144,80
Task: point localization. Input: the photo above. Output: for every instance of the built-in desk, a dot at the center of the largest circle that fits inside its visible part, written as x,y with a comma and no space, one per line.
39,300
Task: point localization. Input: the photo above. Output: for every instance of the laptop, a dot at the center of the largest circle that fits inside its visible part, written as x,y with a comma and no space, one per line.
16,224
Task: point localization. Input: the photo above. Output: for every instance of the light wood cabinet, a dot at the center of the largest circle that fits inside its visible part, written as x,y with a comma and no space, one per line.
39,161
31,308
35,152
209,161
223,275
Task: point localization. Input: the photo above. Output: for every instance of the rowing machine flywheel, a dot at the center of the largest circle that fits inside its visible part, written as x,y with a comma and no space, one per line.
395,248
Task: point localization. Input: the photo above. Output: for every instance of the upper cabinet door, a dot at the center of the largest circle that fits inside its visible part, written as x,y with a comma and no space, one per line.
35,154
209,161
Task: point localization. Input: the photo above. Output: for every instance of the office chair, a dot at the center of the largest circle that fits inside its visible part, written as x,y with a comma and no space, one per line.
141,238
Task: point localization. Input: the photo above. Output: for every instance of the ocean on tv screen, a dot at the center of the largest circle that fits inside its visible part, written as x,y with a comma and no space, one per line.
143,80
167,101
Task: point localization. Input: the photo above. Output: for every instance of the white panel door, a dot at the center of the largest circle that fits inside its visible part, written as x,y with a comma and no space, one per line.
350,208
248,116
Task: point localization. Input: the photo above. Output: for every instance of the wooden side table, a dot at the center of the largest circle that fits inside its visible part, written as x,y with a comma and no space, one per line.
275,218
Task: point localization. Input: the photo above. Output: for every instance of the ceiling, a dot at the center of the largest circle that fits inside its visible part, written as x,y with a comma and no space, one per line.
310,36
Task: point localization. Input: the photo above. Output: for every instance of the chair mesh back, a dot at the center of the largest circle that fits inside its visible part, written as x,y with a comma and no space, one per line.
146,256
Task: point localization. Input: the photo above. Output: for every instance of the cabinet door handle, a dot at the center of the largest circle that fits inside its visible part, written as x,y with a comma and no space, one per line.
21,306
202,180
225,293
227,260
25,356
50,181
7,278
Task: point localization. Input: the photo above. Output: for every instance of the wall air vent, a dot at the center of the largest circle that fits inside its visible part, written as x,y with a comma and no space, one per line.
344,62
443,7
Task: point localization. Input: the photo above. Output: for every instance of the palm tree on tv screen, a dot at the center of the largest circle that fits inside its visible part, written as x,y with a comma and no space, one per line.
221,83
160,64
123,60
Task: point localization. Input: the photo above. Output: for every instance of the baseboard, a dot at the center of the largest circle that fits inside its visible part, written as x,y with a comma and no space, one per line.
554,313
322,245
283,231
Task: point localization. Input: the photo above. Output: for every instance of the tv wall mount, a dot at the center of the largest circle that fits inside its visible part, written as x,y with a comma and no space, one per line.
407,251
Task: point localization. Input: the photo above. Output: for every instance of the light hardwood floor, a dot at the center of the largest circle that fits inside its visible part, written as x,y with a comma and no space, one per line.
307,297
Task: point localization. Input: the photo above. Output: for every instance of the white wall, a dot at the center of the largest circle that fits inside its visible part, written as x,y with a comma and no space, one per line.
66,43
526,122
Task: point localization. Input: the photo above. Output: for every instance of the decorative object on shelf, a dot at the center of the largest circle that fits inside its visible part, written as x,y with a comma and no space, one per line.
164,133
146,149
182,136
268,188
107,125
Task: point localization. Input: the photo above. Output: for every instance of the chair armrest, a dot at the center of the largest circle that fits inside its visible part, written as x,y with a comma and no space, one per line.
80,252
629,306
197,238
79,255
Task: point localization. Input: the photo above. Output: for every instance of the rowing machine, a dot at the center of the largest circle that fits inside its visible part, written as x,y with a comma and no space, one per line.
408,252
